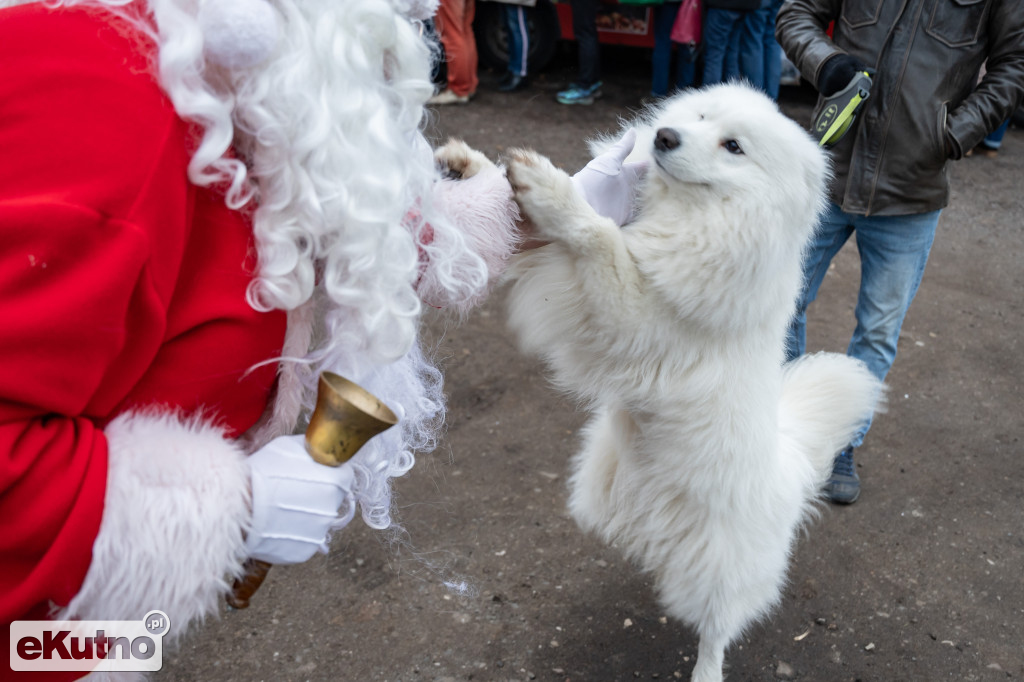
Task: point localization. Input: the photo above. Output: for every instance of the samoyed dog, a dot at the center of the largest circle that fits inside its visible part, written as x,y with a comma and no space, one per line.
705,452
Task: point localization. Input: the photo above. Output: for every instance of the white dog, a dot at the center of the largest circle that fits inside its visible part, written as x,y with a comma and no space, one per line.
704,452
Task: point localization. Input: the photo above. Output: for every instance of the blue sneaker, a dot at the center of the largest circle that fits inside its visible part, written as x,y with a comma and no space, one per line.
579,94
843,486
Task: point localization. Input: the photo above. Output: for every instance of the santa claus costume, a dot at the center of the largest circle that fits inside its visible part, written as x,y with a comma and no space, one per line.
202,206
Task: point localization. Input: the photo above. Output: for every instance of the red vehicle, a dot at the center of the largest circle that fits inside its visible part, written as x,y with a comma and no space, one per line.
549,22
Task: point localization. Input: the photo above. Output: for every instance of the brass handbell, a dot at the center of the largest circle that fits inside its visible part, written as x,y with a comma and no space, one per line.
346,416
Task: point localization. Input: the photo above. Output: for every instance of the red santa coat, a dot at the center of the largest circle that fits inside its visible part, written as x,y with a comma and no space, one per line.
122,287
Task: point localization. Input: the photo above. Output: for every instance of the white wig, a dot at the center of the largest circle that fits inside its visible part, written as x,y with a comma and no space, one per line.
321,132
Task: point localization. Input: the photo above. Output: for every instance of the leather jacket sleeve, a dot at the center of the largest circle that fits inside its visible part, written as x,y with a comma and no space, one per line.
801,28
1000,91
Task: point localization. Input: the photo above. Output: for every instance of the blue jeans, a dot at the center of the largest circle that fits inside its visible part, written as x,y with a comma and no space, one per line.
994,140
772,51
731,34
893,253
661,66
518,38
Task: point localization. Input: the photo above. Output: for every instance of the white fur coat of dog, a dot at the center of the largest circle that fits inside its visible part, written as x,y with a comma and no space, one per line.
705,451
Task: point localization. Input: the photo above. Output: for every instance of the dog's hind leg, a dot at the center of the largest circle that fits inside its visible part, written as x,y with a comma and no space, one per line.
718,590
710,658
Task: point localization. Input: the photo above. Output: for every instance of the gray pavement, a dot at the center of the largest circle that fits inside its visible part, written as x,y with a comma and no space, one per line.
921,580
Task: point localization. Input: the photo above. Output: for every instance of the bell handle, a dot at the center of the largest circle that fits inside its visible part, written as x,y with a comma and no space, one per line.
254,572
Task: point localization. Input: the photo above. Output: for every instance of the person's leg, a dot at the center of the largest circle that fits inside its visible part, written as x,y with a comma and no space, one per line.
661,58
446,23
469,73
508,21
518,38
584,26
835,228
751,47
518,33
453,18
893,254
718,24
686,67
732,56
772,53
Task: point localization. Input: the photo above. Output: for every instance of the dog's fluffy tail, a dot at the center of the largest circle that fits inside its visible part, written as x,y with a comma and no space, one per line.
826,397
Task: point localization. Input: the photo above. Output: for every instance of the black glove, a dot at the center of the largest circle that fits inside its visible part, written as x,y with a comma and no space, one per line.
837,72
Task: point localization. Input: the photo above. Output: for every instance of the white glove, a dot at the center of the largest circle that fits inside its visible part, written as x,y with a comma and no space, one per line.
609,185
295,502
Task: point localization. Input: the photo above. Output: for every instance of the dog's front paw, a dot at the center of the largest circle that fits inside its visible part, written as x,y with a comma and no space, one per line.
460,161
543,192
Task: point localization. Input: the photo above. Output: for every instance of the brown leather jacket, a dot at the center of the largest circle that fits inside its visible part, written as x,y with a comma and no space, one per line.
924,106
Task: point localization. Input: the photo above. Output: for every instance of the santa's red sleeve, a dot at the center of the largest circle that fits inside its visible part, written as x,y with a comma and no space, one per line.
125,341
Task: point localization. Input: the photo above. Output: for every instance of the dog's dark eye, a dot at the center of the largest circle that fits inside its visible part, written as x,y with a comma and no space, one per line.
732,146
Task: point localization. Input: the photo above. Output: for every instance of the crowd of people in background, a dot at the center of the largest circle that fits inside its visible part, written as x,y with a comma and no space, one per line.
739,43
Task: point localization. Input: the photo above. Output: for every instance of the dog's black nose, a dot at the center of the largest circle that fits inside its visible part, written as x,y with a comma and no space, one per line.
666,140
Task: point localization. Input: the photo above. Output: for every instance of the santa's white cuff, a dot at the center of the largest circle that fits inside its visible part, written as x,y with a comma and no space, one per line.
174,518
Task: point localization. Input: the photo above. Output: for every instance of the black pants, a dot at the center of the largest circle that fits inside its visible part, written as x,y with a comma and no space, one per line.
584,26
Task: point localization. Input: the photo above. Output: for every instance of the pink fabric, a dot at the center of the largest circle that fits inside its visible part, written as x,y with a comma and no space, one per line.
687,27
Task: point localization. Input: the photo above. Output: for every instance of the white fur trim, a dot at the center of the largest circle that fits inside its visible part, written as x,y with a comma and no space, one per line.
481,207
176,507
